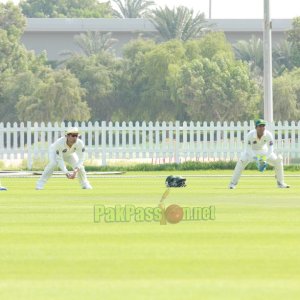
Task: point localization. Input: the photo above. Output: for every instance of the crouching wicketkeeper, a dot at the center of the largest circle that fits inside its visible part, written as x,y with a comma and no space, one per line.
259,143
67,149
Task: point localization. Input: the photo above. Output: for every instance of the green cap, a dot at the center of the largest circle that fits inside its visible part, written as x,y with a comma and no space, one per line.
260,122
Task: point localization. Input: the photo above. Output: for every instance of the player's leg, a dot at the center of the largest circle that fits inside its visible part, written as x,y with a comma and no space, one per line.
240,166
48,171
72,160
277,162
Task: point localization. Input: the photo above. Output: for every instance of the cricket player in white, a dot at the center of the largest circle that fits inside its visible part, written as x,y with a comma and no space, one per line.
67,149
259,142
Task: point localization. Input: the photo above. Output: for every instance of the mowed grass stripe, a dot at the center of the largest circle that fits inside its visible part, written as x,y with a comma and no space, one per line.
50,247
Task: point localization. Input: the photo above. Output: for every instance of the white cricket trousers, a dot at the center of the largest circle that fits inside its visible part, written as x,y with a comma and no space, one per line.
69,159
245,159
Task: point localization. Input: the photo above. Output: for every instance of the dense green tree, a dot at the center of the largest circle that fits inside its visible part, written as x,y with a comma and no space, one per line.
294,39
156,98
178,23
14,59
208,46
133,80
219,89
18,82
143,93
287,96
54,96
175,80
12,24
132,8
65,8
11,21
99,76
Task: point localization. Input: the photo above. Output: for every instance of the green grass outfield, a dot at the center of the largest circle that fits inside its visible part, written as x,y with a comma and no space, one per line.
50,247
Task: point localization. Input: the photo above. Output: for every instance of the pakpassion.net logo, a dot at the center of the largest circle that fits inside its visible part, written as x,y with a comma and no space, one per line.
172,214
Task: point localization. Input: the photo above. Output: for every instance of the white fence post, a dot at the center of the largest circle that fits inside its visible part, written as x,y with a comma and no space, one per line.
103,142
29,150
177,142
166,142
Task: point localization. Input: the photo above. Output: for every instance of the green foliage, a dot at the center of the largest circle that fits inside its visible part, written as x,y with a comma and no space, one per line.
178,23
282,58
185,166
133,80
217,90
193,80
94,42
55,96
132,8
156,102
65,8
11,21
99,76
15,61
294,39
175,80
208,46
287,96
252,52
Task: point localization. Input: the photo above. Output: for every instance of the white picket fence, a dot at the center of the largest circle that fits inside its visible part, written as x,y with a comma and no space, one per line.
145,142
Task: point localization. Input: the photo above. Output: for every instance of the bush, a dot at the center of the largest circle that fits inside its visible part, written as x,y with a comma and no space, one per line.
186,166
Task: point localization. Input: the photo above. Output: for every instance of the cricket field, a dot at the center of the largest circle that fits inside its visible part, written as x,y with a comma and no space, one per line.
52,246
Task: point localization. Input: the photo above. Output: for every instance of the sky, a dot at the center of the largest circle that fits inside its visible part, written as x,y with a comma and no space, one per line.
240,9
235,9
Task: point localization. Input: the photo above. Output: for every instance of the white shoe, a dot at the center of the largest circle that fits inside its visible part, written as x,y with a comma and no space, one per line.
87,187
2,188
39,188
282,185
232,186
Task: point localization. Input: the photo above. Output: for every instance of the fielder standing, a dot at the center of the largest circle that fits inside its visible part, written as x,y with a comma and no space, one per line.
69,149
259,142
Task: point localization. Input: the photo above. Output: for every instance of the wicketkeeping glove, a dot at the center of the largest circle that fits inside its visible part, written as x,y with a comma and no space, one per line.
261,163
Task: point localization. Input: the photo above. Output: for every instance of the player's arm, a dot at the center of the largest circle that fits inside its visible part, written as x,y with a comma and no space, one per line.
80,150
60,160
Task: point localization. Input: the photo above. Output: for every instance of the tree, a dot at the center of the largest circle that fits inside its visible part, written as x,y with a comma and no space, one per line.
165,82
12,24
56,97
133,81
156,101
11,21
65,8
287,96
294,39
179,23
219,89
94,42
14,60
132,8
208,46
144,92
99,76
252,52
282,58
